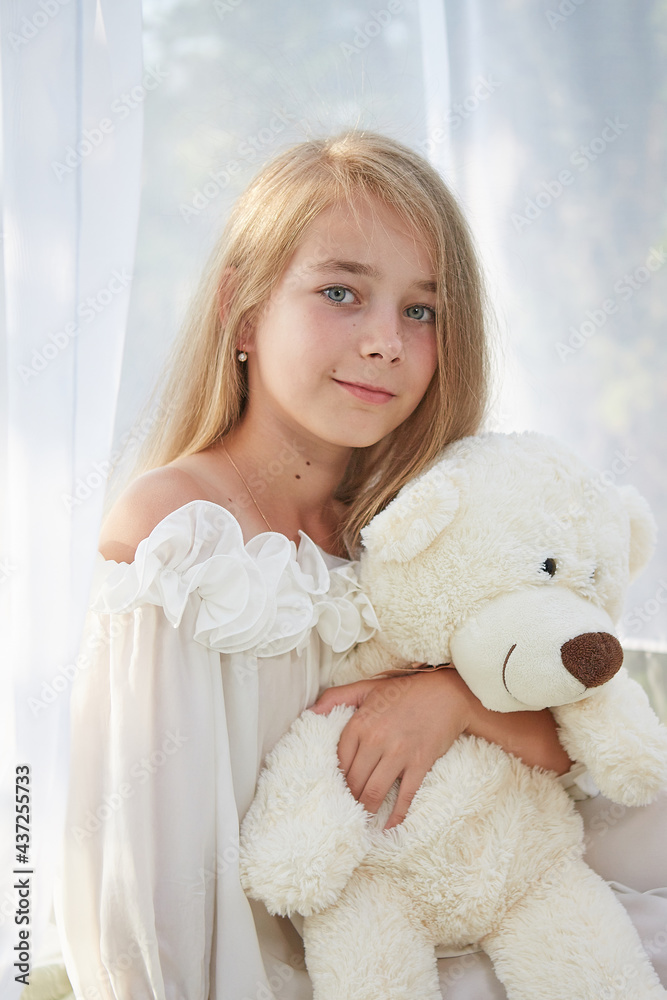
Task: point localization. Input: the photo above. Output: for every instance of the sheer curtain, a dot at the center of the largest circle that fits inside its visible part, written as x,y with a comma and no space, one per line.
548,120
72,132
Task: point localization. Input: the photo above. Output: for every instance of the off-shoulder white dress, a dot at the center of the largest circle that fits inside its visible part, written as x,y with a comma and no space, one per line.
198,657
202,651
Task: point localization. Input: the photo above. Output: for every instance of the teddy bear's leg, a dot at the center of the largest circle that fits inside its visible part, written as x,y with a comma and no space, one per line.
370,946
570,937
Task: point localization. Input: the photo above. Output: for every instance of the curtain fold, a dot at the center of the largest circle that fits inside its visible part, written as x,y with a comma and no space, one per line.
72,113
437,144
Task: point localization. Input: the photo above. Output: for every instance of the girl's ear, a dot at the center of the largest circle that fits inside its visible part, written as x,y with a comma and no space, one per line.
643,529
416,516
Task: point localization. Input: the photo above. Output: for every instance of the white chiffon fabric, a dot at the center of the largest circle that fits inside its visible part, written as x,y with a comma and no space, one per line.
202,652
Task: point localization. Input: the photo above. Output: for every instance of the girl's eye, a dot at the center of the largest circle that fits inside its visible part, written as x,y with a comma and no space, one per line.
337,293
423,313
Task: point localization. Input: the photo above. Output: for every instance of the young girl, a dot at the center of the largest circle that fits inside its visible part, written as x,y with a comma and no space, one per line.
336,345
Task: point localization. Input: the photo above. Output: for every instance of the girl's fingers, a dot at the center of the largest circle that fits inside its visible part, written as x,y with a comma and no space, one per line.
361,776
410,783
348,746
378,784
346,694
402,726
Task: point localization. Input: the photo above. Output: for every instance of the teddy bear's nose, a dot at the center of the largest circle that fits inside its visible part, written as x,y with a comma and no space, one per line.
593,658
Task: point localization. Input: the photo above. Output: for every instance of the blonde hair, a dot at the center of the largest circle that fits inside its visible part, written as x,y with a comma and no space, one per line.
205,384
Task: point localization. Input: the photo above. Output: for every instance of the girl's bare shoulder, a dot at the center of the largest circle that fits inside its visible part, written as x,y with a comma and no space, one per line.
146,502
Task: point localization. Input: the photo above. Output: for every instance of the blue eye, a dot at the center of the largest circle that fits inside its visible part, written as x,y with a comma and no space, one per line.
422,313
336,293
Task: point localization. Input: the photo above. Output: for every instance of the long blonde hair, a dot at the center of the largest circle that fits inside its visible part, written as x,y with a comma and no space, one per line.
205,385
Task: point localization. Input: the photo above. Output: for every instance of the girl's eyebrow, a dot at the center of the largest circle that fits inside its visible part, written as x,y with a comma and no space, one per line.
356,267
349,266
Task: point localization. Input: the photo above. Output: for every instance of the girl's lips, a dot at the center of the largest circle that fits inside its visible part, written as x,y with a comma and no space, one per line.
368,395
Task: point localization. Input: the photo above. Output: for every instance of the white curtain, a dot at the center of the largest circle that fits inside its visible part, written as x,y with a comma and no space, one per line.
548,119
72,107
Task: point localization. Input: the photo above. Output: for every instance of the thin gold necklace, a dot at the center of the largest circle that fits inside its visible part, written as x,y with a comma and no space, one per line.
250,493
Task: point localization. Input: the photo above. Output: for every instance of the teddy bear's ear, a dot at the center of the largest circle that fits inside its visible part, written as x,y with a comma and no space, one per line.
642,528
415,517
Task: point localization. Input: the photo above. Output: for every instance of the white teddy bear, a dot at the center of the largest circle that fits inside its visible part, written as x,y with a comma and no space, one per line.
510,559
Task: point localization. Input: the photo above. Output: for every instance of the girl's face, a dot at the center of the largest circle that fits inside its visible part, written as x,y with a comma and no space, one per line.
345,348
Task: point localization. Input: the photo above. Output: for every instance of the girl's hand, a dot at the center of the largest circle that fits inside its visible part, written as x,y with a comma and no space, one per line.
404,724
401,726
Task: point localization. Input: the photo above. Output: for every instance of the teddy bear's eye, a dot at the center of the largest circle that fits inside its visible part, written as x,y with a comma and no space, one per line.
549,566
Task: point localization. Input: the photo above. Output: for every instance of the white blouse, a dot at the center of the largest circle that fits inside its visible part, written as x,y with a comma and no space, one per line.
201,654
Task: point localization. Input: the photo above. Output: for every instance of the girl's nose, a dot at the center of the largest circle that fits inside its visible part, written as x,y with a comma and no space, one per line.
383,341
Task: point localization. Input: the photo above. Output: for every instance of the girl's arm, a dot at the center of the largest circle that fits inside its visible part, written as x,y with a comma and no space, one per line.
404,724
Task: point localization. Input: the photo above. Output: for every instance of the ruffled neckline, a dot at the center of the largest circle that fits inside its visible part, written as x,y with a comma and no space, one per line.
266,594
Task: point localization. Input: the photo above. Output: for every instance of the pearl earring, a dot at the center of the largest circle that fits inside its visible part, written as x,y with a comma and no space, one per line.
242,356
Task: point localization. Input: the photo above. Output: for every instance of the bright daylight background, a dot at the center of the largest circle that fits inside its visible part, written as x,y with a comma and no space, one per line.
547,117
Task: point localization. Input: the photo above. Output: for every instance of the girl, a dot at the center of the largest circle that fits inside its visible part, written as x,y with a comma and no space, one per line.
336,345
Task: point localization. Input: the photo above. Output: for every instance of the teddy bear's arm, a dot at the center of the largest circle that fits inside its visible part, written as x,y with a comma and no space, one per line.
304,833
616,734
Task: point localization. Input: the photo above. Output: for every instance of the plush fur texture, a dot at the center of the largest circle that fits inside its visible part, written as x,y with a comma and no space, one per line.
508,550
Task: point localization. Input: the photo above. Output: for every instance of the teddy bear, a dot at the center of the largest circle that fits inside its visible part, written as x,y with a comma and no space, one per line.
508,559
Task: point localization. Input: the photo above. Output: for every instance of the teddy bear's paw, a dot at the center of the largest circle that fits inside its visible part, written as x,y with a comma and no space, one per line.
616,734
304,834
291,873
633,770
633,785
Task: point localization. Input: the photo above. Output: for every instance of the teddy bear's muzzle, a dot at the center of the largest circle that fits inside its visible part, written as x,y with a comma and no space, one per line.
592,658
535,647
